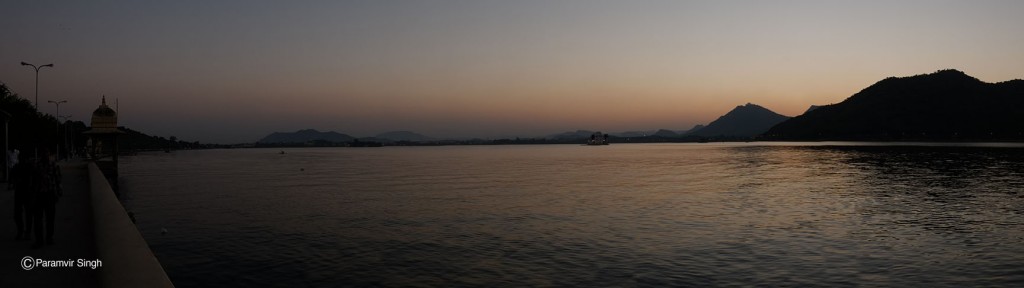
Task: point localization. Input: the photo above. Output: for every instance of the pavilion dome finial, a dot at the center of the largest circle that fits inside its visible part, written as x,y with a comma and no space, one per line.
103,116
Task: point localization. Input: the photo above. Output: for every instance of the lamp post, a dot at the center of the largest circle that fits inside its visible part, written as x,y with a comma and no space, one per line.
37,79
58,124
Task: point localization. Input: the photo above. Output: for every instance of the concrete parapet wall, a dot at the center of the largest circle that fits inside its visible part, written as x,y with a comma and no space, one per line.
127,259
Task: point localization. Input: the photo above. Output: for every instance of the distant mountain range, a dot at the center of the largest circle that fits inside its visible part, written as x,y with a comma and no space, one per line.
578,134
306,135
945,105
312,135
585,134
692,130
666,133
742,122
628,134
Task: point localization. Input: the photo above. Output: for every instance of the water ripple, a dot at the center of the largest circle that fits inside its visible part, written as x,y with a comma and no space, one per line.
693,215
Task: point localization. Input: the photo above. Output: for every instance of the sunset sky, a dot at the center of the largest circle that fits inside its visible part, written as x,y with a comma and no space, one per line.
234,71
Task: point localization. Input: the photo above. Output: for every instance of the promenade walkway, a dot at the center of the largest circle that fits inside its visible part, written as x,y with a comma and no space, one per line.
73,237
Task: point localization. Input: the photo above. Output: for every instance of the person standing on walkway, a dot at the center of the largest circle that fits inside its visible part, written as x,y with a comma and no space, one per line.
12,159
21,179
46,193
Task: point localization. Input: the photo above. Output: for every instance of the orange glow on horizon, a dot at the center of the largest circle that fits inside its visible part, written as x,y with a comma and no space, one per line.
480,69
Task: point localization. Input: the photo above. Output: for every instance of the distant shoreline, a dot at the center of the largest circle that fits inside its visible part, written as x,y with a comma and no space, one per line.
820,143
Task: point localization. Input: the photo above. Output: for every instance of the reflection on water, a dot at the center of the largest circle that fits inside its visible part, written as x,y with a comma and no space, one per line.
620,215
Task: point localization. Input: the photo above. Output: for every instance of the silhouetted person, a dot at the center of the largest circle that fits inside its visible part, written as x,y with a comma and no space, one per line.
47,182
12,159
22,180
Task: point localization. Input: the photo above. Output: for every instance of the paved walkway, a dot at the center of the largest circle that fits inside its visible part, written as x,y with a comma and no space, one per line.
73,237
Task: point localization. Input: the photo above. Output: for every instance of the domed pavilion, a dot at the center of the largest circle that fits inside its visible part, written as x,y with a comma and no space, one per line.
103,134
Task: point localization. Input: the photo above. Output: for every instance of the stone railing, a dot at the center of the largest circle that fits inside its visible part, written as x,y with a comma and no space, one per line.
127,260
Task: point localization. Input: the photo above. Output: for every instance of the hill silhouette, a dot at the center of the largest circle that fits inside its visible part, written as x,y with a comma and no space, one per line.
578,134
634,133
306,135
666,133
692,130
941,106
744,121
812,108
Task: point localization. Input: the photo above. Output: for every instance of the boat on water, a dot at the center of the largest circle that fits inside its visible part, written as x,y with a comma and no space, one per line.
598,139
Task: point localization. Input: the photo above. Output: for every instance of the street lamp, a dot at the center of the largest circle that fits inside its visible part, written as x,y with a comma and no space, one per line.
58,123
37,79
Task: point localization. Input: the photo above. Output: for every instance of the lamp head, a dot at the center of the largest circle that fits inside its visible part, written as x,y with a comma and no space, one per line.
47,65
25,64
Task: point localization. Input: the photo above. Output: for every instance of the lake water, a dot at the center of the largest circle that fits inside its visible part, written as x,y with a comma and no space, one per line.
780,214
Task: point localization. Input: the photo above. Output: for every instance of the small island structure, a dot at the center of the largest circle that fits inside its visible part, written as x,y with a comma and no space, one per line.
598,139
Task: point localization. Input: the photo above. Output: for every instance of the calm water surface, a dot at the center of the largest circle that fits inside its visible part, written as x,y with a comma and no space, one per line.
566,215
